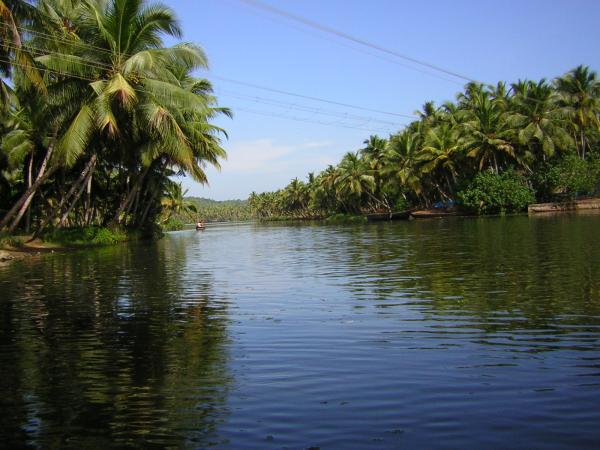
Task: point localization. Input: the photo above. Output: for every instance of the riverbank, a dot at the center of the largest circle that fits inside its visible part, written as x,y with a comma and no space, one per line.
19,250
15,248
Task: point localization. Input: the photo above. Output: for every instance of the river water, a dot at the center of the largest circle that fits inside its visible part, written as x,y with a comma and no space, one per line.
463,333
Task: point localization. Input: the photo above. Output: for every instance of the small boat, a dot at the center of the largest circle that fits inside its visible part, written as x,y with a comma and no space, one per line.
390,215
435,213
573,205
200,226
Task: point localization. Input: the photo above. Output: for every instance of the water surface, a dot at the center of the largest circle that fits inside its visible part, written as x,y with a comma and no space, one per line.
464,333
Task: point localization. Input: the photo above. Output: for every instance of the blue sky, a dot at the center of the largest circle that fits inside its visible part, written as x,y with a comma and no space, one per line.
484,40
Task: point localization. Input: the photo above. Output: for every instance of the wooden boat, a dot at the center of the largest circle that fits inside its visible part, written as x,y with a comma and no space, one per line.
391,215
435,213
200,227
574,205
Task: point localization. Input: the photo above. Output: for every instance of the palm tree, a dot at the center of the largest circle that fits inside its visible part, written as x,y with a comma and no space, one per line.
174,202
401,163
487,132
540,124
295,196
130,93
374,152
354,181
579,92
439,156
13,55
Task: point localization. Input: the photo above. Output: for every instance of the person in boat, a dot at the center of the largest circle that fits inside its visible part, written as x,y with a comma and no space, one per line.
199,224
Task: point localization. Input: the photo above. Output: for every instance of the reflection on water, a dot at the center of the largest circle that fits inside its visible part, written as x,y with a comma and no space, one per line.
450,334
110,348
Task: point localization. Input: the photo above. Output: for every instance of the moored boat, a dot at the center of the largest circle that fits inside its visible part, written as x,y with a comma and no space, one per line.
573,205
390,215
435,213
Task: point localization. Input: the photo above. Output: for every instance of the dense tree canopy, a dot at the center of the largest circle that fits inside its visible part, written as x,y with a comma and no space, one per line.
98,113
495,149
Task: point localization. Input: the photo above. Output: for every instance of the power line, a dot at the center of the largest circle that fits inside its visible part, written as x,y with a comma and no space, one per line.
367,52
308,97
327,29
263,113
105,66
300,119
304,108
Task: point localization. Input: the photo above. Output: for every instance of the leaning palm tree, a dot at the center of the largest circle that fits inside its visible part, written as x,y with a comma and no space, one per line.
13,55
123,87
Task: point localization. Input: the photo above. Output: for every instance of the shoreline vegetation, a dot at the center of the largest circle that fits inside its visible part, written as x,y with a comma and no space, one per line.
96,117
495,150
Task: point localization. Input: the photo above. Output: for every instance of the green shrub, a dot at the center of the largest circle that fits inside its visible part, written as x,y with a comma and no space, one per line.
172,225
569,177
490,193
7,240
86,236
106,236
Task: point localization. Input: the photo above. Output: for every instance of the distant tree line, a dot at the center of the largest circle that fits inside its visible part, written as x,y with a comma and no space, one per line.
179,210
495,149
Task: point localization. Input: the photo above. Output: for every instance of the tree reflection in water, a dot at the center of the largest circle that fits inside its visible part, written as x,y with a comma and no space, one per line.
110,348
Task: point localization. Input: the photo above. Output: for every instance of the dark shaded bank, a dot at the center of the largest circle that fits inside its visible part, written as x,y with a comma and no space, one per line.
14,248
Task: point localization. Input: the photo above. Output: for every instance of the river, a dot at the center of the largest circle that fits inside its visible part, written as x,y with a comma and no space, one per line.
462,333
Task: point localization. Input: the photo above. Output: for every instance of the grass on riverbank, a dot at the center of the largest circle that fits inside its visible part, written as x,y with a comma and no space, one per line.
88,236
62,239
345,218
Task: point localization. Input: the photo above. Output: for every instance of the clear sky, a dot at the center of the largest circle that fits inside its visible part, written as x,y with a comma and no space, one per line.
486,40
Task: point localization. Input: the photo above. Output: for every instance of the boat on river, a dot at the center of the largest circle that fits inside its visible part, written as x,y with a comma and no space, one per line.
436,213
573,205
390,215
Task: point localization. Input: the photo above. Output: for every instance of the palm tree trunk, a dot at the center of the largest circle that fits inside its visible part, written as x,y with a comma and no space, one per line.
82,177
75,200
20,207
148,206
126,203
29,183
449,186
88,202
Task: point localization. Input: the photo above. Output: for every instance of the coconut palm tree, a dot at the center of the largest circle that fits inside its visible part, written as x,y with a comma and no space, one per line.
354,182
174,203
374,152
540,124
13,55
401,168
579,94
132,94
486,132
439,157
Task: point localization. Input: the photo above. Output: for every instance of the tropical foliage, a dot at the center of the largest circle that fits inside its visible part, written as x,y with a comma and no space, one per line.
179,211
495,149
98,113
